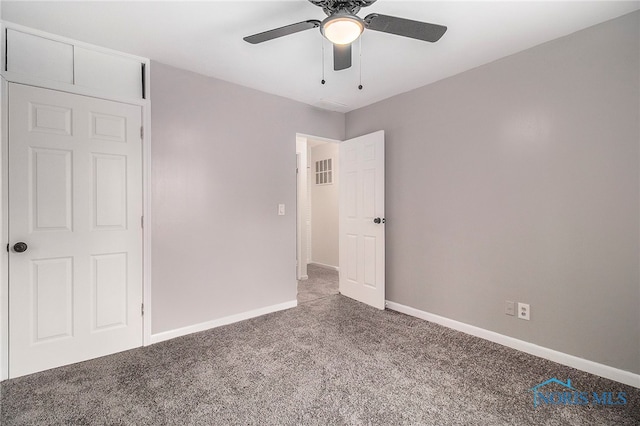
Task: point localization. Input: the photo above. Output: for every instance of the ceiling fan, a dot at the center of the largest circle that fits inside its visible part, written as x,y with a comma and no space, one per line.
342,27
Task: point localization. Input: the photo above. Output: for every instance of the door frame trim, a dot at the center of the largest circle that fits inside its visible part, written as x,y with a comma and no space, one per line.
4,265
301,229
145,104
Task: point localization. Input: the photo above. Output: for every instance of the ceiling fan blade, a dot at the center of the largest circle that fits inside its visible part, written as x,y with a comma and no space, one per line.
282,31
341,56
405,27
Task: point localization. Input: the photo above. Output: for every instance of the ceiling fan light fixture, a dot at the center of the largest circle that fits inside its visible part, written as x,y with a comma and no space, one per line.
342,28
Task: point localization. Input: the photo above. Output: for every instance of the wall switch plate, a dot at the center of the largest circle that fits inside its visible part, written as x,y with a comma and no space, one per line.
524,311
510,308
280,209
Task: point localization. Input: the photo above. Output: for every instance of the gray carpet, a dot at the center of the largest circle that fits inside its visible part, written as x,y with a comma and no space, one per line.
328,361
322,282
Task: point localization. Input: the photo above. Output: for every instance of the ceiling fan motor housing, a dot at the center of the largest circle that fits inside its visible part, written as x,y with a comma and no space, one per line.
351,6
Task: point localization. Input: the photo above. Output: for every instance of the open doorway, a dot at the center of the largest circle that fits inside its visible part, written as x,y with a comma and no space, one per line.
317,217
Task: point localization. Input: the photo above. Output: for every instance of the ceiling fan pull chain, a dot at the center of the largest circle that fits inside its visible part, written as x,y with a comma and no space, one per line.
322,41
360,62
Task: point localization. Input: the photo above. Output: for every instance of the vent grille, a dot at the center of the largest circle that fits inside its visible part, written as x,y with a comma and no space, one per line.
324,172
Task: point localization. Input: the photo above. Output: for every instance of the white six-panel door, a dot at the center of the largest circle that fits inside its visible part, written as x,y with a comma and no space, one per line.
361,240
75,199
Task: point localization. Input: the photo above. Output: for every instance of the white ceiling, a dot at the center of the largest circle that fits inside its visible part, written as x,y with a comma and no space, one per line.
206,37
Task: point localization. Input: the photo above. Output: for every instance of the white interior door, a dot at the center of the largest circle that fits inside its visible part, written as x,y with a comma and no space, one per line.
362,219
75,200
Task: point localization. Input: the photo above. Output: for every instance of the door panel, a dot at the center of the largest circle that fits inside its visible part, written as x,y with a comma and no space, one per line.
362,201
75,198
109,285
109,192
108,127
50,189
52,284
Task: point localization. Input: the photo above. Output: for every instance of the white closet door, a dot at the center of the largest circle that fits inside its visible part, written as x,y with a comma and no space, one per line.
75,200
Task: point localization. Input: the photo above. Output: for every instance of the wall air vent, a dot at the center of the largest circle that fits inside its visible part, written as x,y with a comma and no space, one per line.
331,105
324,172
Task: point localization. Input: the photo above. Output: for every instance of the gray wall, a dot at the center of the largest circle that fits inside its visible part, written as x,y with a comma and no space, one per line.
223,158
324,208
519,180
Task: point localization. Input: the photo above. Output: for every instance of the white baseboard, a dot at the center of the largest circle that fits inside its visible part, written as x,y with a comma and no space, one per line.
171,334
323,265
622,376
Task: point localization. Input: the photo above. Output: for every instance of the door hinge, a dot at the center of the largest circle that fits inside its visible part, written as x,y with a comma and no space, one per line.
7,247
142,309
142,222
141,132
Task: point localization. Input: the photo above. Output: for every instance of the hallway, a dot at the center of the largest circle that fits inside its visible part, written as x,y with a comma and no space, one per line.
322,282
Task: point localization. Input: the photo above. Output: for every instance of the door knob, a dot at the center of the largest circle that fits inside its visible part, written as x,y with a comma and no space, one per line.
20,247
378,220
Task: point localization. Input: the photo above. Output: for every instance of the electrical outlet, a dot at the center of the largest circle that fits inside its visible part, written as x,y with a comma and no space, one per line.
510,308
524,311
280,209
